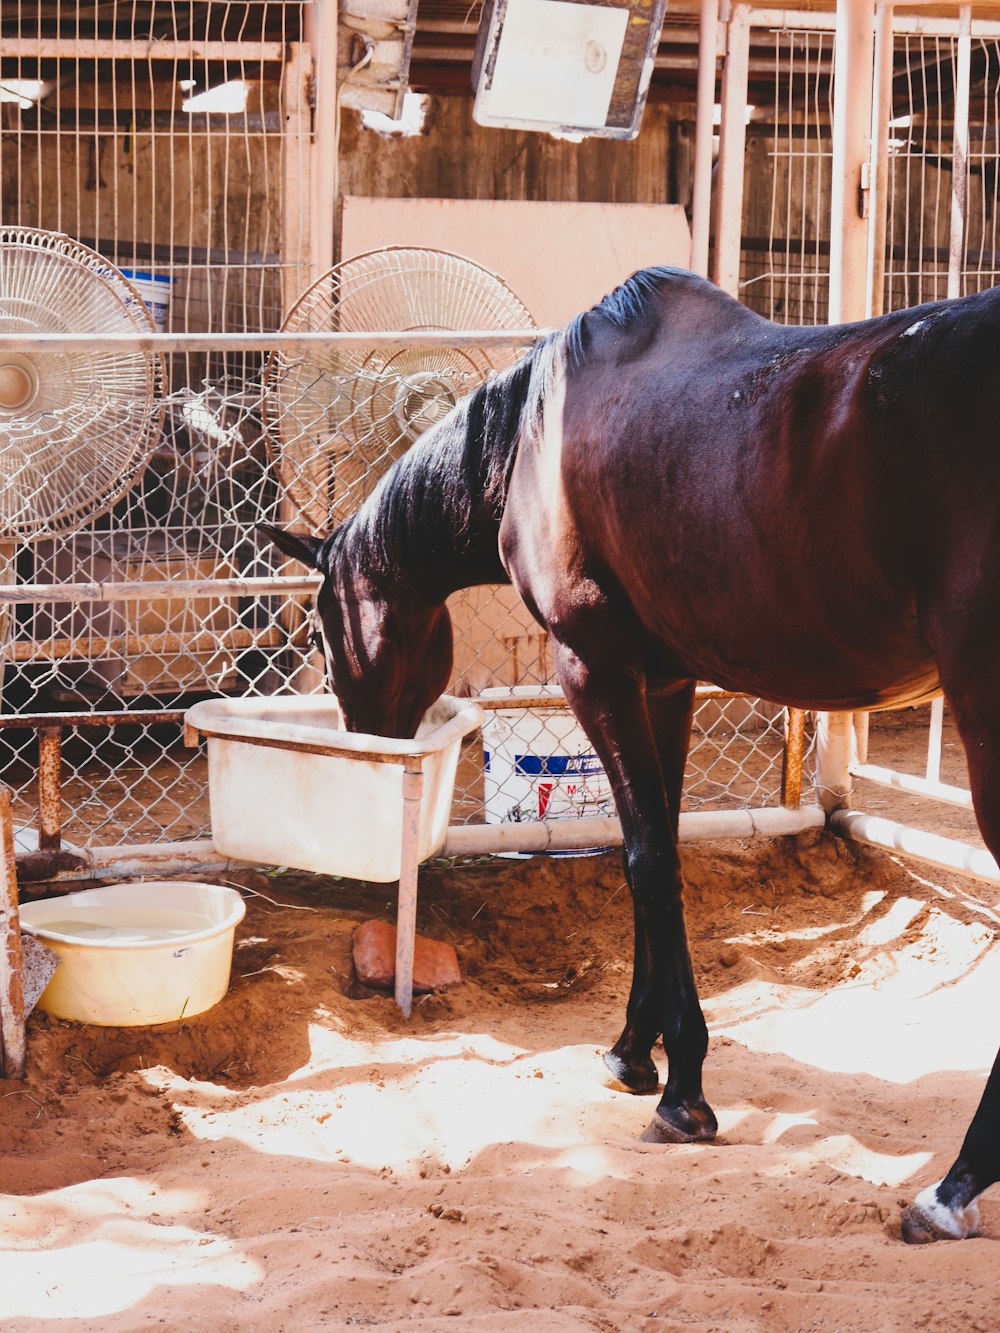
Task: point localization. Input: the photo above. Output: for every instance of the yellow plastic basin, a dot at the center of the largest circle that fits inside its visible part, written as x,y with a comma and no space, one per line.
132,954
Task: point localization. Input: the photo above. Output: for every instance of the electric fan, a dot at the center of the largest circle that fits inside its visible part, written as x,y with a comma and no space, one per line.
76,428
341,416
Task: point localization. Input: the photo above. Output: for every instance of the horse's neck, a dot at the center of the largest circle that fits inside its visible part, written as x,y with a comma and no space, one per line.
433,523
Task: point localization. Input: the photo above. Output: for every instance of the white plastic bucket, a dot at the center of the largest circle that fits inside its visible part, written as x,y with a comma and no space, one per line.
539,764
154,288
132,954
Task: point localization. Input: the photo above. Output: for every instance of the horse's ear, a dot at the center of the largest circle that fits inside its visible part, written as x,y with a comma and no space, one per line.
300,546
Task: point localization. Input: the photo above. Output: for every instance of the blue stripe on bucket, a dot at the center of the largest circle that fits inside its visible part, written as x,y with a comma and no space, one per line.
553,765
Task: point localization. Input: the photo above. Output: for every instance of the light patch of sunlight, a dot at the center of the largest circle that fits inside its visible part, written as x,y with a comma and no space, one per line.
845,1154
900,916
416,107
24,93
462,1093
226,99
781,1122
591,1164
25,1221
859,1028
96,1249
965,895
869,901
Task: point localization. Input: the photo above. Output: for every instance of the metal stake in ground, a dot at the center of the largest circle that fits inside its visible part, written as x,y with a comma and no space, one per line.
12,1038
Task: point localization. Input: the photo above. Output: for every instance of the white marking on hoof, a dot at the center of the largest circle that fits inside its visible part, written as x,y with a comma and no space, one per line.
944,1222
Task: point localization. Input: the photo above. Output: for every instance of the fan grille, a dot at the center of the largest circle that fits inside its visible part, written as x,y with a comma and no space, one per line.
341,417
76,428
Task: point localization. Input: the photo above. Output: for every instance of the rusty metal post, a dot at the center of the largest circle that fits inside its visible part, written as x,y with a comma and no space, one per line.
791,762
406,909
12,1035
49,789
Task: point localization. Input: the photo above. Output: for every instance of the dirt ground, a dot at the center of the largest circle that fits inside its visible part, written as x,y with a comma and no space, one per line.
302,1158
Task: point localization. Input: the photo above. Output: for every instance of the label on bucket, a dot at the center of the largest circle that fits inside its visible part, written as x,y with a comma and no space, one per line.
539,765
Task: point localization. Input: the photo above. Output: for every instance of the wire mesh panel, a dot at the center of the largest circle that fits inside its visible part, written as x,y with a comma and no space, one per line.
164,137
920,162
982,242
785,266
941,231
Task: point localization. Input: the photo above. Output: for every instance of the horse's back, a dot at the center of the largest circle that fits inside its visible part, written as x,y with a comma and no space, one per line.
758,494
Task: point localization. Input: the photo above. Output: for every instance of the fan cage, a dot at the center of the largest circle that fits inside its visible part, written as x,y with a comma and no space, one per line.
81,441
339,419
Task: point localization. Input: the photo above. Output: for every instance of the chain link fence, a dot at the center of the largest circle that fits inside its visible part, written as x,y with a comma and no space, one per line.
113,629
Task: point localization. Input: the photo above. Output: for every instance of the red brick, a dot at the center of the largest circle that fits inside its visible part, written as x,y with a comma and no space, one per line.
435,964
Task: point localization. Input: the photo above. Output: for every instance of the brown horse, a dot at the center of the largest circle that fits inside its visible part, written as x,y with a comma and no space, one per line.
681,490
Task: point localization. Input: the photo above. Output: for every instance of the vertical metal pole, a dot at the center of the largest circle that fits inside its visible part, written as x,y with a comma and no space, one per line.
878,214
934,737
852,119
704,132
878,201
49,789
960,153
296,173
833,759
791,766
732,149
406,911
13,1048
852,123
321,26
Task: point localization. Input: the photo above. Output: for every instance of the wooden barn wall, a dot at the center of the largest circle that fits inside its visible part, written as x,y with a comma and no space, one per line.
458,159
125,170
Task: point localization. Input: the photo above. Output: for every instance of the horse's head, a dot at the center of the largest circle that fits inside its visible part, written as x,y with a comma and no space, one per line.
388,650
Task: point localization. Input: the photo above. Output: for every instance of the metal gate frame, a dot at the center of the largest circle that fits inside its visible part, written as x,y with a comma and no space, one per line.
865,35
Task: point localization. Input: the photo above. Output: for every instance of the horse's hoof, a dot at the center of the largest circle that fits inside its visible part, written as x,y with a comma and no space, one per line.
926,1220
919,1228
640,1078
681,1124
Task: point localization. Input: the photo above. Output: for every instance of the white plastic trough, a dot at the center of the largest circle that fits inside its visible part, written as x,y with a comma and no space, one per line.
289,786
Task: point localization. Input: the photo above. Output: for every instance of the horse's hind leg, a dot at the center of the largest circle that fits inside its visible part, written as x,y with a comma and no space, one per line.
948,1210
629,1060
609,699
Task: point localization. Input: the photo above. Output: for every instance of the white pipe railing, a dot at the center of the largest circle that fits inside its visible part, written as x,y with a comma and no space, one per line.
200,855
931,848
262,342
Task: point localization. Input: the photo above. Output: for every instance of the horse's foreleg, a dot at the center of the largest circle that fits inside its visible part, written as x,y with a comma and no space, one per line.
629,1060
948,1210
610,702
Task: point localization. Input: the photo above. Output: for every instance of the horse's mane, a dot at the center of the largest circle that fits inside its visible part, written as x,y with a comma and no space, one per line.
624,306
450,488
452,483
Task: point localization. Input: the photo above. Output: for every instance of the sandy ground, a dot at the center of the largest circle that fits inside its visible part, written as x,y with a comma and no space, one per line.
302,1158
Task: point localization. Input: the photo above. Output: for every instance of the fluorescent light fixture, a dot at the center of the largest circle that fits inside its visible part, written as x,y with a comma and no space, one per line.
566,67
